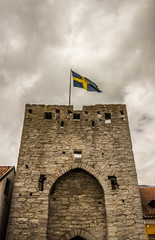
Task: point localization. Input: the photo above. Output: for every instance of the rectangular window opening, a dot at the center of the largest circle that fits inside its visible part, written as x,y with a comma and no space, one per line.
48,115
41,182
62,124
107,117
98,112
77,153
114,184
76,116
93,124
69,111
122,113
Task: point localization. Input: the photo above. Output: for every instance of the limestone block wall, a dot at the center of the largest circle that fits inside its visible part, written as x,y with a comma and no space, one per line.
58,139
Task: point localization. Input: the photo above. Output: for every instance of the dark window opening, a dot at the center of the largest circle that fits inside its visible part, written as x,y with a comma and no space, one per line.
114,184
76,116
41,182
93,124
107,117
98,112
26,166
121,112
102,154
30,110
152,203
7,186
63,152
48,115
19,194
86,112
69,111
77,153
30,193
62,124
123,200
57,110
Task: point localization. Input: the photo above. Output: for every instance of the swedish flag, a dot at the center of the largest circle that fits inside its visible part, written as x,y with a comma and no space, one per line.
83,82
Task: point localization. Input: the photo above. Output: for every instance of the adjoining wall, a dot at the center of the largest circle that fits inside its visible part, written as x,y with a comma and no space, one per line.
5,200
57,139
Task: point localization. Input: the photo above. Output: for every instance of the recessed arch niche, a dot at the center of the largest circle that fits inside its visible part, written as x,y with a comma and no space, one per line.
76,201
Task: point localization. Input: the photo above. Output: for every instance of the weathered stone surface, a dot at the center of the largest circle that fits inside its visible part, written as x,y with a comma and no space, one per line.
83,202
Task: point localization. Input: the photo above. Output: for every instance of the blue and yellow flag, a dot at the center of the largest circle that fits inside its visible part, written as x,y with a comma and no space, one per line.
83,82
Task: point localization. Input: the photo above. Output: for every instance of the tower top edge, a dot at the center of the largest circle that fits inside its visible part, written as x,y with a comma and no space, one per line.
84,107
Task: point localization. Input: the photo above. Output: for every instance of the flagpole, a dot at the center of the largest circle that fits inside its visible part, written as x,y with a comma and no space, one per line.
70,88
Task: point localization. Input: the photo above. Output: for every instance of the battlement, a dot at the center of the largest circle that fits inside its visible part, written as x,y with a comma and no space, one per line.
96,113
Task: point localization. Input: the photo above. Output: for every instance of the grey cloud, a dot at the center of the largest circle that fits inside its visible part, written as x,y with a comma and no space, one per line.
110,42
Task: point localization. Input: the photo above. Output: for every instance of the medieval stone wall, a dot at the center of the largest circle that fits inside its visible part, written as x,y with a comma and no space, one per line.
57,139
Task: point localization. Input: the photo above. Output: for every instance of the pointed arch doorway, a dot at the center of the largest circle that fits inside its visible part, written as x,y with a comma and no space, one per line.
76,201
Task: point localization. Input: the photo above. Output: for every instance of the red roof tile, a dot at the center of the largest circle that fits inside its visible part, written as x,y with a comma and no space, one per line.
147,194
4,170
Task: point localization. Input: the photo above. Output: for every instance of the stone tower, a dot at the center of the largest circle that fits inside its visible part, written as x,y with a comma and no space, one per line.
76,176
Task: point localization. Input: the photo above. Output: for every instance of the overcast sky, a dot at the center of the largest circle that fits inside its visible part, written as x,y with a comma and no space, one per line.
111,42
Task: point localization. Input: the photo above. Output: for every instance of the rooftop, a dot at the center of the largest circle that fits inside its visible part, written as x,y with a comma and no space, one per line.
148,199
4,170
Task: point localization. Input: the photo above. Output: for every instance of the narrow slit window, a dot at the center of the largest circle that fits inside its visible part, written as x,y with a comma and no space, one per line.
41,182
48,115
62,124
7,187
76,116
77,153
57,110
93,124
114,184
107,117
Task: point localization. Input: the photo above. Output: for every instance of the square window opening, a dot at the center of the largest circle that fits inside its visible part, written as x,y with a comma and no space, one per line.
122,113
69,111
76,116
57,110
30,111
77,153
48,115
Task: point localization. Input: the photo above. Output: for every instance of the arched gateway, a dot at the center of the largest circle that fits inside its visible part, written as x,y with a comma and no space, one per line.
76,202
